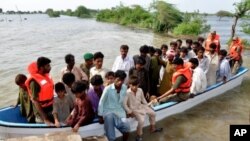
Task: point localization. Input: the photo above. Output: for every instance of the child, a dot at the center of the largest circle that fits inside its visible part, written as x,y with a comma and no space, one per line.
95,92
142,75
83,112
24,99
68,79
98,69
62,106
224,67
136,106
109,78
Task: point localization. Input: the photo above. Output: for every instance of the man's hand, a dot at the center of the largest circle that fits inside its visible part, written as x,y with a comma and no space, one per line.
131,115
101,120
76,128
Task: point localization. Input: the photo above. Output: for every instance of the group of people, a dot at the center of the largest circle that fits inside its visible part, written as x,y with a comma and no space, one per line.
156,75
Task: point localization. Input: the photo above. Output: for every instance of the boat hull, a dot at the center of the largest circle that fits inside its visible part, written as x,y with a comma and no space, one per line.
11,130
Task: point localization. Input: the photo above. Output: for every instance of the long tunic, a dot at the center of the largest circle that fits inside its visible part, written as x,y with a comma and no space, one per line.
213,68
166,83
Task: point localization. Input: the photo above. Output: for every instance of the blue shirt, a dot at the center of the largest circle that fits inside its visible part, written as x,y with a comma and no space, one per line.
112,102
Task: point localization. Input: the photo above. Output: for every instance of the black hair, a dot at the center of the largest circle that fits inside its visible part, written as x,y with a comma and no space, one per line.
184,50
98,55
178,61
189,41
213,45
59,86
20,79
201,48
68,78
194,61
173,43
109,73
133,80
144,49
196,44
78,87
120,74
223,52
151,49
140,60
201,39
42,61
158,51
68,58
96,80
164,46
179,40
124,47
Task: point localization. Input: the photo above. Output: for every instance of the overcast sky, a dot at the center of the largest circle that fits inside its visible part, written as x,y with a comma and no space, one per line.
208,6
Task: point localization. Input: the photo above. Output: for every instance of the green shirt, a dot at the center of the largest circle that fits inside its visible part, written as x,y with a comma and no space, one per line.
25,104
35,89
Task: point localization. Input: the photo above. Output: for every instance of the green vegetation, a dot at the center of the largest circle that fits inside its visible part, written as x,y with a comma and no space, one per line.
1,10
82,12
246,28
129,16
241,9
52,13
223,13
193,24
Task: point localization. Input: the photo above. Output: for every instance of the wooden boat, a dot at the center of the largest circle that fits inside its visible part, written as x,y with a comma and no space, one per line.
12,124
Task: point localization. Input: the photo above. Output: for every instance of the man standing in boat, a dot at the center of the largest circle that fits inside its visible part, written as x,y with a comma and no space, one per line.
181,80
111,110
41,88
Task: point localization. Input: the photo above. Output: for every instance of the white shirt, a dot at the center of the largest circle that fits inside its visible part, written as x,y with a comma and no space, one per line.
191,54
204,64
95,71
123,64
224,70
199,81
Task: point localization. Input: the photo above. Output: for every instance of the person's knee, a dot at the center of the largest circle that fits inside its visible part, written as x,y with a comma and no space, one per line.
109,117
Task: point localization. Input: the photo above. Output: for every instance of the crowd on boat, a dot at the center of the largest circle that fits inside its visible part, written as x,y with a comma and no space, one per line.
156,75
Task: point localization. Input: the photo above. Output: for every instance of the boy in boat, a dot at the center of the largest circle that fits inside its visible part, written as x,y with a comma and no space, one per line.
41,90
111,111
24,99
83,112
70,61
95,91
98,69
68,79
224,68
136,106
142,75
109,78
63,104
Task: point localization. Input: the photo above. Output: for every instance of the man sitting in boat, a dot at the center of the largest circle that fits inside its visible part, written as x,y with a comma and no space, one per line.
83,112
224,68
24,99
181,81
199,79
111,110
41,89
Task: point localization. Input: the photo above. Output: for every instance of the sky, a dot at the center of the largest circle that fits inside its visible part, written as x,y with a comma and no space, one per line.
207,6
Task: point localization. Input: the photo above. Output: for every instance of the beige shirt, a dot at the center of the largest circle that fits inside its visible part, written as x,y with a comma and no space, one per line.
135,102
79,74
95,71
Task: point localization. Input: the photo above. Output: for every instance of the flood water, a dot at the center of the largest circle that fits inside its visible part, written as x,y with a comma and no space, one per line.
23,42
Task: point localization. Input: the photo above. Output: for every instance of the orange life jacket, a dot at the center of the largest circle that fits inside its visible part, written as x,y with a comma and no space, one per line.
233,53
46,86
210,41
184,87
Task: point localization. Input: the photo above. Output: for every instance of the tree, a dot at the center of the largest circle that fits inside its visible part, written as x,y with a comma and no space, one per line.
223,13
166,16
241,9
1,10
82,12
